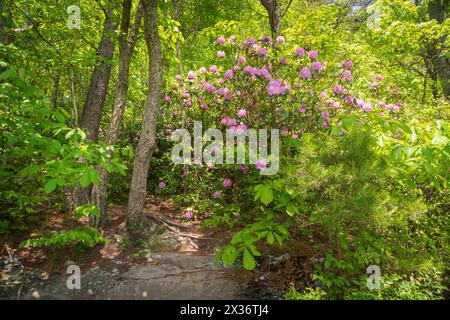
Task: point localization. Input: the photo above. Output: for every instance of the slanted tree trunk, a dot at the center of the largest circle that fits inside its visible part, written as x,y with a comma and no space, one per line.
93,105
96,95
274,12
127,42
147,141
437,9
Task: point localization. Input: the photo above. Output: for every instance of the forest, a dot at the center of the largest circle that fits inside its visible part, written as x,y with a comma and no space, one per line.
224,150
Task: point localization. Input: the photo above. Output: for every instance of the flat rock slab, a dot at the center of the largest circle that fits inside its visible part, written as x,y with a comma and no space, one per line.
166,276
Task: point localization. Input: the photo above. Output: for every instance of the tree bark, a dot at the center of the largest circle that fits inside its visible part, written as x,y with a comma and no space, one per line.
176,16
437,9
147,141
55,91
98,88
274,11
127,42
96,95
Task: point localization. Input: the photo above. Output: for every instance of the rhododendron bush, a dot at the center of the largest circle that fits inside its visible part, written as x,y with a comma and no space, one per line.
339,148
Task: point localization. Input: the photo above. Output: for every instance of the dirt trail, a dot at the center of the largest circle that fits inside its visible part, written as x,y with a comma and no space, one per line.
178,264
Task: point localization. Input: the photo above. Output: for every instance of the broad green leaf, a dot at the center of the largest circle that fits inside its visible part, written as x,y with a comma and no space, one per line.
85,180
248,260
50,185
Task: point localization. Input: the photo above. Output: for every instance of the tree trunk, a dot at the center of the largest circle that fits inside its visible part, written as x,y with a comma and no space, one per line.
274,11
93,105
96,95
176,16
437,9
147,140
126,47
55,92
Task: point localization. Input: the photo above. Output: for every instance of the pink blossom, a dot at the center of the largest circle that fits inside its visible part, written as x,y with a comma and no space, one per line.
350,100
210,165
228,74
227,183
313,54
209,87
260,164
178,77
347,64
300,52
217,194
323,95
266,38
316,66
278,87
378,77
251,70
325,115
242,113
241,59
161,185
305,73
166,99
191,75
186,95
188,103
262,51
367,107
202,70
226,93
249,41
265,73
375,85
360,102
347,75
280,39
221,40
213,69
338,89
282,61
232,39
188,214
214,150
220,54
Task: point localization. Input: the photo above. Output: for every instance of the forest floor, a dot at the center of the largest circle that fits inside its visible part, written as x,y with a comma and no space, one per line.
174,261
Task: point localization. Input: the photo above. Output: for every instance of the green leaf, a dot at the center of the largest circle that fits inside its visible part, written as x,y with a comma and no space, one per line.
249,260
8,73
270,238
266,195
94,177
70,133
85,180
291,210
50,185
